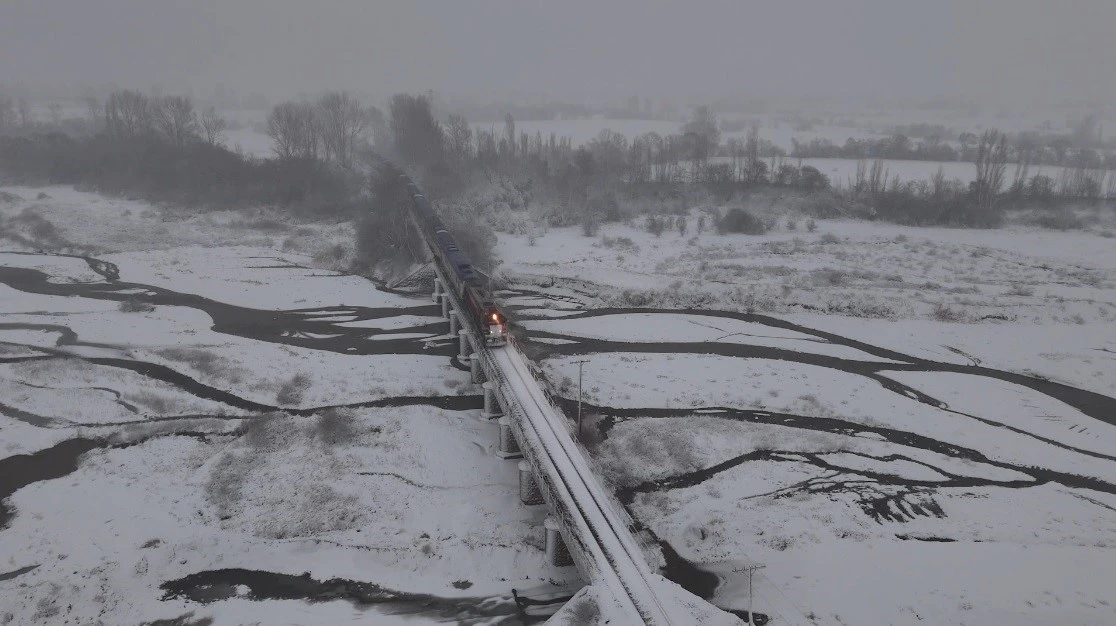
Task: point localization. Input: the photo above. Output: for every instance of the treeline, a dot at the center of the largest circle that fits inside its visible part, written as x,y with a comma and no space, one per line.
451,152
1028,148
584,181
163,149
982,202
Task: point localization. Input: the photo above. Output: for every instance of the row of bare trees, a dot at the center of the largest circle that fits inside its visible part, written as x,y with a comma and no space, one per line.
419,138
131,114
330,128
14,113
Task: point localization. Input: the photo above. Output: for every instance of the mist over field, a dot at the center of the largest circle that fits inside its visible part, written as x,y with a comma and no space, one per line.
570,312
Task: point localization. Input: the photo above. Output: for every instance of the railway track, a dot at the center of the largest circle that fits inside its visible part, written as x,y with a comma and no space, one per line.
587,510
597,530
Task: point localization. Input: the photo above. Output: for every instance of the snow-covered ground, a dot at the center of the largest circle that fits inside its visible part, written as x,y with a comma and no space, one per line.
194,413
904,425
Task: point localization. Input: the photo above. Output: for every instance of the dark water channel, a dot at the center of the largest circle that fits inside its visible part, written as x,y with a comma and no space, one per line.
216,585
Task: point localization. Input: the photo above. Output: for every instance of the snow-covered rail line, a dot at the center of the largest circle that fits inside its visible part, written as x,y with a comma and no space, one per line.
612,559
597,530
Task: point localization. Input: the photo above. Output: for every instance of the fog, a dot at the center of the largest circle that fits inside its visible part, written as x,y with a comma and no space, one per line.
1002,52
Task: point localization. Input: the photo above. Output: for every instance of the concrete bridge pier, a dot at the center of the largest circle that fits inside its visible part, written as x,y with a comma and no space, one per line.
453,321
475,370
492,407
529,492
557,554
508,446
465,345
437,288
445,305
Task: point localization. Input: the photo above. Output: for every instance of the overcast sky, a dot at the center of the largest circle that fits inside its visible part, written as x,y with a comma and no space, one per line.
576,50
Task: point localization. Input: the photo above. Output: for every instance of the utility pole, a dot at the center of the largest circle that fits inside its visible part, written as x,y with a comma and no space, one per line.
579,378
750,569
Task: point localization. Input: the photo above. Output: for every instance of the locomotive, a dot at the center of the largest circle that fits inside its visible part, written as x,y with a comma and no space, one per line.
489,322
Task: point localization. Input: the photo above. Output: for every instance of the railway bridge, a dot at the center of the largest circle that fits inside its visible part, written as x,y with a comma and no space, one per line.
587,527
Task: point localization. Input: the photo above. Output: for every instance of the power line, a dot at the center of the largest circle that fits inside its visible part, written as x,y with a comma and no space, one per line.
750,569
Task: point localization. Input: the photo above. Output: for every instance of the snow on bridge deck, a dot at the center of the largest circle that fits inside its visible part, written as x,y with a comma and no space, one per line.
597,530
594,525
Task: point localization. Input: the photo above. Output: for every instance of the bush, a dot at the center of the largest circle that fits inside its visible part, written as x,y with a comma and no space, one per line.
135,305
605,207
656,225
384,238
291,391
811,225
738,220
335,426
944,313
590,225
1064,219
622,243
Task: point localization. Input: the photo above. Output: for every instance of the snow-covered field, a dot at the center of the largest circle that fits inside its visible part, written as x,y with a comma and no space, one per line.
194,413
904,425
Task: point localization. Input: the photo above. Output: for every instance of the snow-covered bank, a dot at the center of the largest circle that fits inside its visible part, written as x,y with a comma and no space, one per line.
204,408
905,425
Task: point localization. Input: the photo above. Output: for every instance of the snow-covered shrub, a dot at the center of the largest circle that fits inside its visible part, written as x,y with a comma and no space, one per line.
311,509
336,427
622,243
135,305
636,454
738,220
1057,219
224,489
856,305
944,313
290,392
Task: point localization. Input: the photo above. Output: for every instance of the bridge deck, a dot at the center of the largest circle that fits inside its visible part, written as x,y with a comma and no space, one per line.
594,525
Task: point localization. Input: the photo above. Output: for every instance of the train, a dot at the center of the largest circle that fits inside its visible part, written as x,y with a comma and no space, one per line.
488,321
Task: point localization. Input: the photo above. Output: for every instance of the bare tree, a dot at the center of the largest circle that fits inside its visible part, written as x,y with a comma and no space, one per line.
128,114
509,132
991,166
341,120
418,136
293,128
176,119
7,113
93,107
751,146
24,106
459,139
55,110
381,133
213,127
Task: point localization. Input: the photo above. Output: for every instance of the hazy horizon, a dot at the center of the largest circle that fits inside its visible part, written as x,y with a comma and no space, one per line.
1001,52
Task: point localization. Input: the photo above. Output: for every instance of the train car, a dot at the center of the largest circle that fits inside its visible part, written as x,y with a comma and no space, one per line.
488,318
489,322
